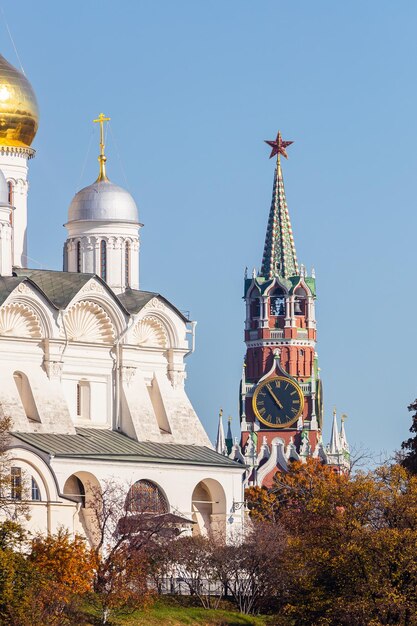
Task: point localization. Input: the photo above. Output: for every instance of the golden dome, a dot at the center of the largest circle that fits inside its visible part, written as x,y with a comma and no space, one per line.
18,107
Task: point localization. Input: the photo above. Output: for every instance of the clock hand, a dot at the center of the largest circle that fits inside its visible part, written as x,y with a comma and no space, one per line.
274,396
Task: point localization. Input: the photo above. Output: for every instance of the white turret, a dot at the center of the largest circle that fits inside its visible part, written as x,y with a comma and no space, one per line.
19,123
103,231
220,439
334,447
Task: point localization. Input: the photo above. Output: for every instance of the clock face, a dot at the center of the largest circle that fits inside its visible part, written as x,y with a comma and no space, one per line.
278,402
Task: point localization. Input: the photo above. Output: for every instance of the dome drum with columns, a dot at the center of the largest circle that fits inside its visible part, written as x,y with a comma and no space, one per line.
92,369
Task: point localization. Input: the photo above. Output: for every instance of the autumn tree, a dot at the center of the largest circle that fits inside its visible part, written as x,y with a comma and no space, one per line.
350,555
121,537
41,578
409,460
191,560
252,570
65,569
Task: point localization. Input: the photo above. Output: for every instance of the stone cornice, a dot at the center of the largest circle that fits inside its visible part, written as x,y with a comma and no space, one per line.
20,150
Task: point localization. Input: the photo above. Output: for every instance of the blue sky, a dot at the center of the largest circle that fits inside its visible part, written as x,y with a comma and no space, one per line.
193,88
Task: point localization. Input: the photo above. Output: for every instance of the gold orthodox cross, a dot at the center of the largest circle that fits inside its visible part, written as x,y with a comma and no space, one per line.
102,158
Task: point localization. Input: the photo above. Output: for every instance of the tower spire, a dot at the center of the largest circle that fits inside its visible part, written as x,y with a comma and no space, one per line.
279,256
102,157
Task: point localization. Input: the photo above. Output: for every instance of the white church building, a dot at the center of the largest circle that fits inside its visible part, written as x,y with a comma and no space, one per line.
92,368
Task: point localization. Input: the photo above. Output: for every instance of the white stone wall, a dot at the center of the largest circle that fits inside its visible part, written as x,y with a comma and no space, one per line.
179,483
134,366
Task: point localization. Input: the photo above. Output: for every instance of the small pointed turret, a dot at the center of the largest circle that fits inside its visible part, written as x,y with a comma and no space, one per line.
220,440
335,438
343,439
279,258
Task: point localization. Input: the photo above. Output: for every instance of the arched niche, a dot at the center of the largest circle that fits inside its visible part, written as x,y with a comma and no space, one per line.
84,488
208,505
26,396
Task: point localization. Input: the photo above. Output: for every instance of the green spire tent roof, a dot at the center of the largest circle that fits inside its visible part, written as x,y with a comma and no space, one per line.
279,257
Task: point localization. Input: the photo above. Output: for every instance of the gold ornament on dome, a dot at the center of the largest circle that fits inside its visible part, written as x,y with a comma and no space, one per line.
19,113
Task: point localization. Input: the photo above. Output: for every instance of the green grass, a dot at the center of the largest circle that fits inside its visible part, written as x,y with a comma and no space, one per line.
172,612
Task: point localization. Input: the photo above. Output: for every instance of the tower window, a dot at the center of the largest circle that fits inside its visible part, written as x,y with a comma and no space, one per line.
277,302
10,198
10,188
103,259
83,400
127,264
277,305
300,302
78,256
16,483
255,307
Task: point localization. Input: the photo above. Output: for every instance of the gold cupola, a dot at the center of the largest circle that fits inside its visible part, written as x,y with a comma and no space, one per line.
19,113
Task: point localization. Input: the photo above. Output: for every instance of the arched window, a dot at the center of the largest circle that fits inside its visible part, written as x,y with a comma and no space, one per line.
127,263
146,497
78,256
300,301
11,199
277,302
26,396
103,259
35,491
255,307
10,188
83,400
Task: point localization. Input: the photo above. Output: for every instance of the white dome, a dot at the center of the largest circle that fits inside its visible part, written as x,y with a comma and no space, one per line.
4,191
103,201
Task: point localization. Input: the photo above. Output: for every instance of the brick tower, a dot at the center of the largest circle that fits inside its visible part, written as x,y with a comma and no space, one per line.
281,406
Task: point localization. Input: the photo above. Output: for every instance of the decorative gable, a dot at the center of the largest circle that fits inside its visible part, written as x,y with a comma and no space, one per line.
19,320
149,332
88,322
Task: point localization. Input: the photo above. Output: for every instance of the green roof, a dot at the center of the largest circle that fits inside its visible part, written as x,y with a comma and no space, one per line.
134,300
58,287
61,287
7,285
109,445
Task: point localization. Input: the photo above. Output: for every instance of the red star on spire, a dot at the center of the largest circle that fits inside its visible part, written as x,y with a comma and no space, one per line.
278,146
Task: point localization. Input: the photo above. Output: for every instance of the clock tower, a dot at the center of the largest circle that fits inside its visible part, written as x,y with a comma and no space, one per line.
281,392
